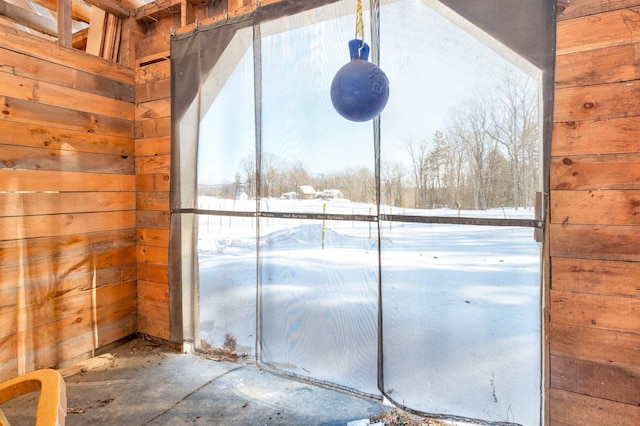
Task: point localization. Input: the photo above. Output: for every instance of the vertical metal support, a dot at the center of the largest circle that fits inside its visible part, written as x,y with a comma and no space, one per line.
257,105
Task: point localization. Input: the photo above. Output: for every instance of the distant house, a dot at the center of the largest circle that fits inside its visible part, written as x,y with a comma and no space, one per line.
330,194
289,196
307,192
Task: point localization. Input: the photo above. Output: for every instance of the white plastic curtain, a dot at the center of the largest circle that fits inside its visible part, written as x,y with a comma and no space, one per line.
286,246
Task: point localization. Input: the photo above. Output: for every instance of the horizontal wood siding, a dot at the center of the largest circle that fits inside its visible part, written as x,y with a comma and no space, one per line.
68,280
152,166
594,295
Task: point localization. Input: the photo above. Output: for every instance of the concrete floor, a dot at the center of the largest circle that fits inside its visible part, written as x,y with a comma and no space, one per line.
149,384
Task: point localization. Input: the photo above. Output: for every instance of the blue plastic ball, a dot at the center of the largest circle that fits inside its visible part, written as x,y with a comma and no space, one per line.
360,89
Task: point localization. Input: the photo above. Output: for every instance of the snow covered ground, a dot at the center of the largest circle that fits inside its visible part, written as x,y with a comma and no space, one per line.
460,304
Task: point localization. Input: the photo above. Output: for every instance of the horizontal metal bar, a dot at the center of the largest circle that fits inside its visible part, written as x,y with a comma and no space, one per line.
446,220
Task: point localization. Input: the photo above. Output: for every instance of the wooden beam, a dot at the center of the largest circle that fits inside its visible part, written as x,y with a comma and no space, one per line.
64,23
112,7
96,31
28,19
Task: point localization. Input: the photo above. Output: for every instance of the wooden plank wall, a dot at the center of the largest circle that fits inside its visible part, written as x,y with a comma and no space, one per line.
153,146
67,203
594,331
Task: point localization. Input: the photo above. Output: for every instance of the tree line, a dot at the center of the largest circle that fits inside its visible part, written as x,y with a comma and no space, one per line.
488,155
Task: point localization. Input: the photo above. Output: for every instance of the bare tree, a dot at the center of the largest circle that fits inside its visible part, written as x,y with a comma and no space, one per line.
418,152
470,125
248,167
515,127
392,184
270,168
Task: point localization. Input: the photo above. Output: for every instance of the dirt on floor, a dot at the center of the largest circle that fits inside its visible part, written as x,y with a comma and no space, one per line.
397,417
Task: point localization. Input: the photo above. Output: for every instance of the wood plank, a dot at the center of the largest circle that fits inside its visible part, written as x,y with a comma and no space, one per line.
55,95
96,31
607,65
42,70
604,277
116,42
79,39
606,242
47,249
109,35
153,109
150,309
29,180
592,344
153,219
30,345
597,311
21,134
111,6
74,305
56,342
115,331
153,237
29,204
154,327
575,409
597,102
19,41
567,9
46,356
155,10
615,171
66,274
612,382
21,111
154,292
12,228
153,273
150,183
71,268
153,255
153,72
153,165
614,136
150,59
131,32
618,27
153,146
152,200
64,23
27,158
28,19
601,207
153,128
103,361
153,45
153,90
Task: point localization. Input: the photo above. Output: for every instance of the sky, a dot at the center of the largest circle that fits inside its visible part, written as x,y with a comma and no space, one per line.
432,65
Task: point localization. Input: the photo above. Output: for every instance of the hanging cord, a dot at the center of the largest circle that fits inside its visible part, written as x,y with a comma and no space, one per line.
359,23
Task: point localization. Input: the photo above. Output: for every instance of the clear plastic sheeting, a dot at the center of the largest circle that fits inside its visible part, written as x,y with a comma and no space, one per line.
351,254
461,320
319,301
227,276
308,150
226,145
